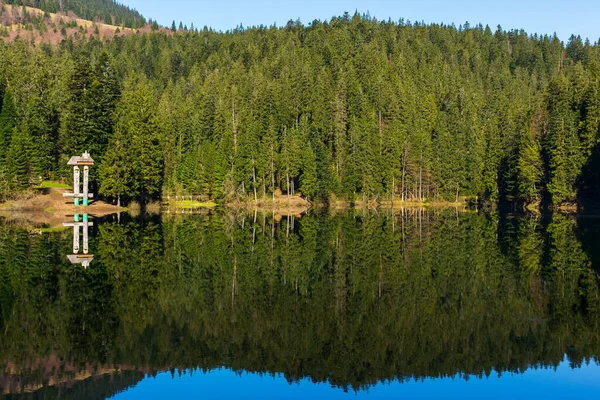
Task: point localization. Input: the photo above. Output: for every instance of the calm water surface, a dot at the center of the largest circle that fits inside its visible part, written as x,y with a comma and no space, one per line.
419,304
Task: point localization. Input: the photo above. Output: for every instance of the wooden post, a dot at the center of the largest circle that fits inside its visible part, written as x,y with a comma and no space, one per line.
84,259
75,239
85,230
86,174
76,181
76,184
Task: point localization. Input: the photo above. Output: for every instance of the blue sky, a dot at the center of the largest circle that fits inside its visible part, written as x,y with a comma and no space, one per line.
562,383
542,16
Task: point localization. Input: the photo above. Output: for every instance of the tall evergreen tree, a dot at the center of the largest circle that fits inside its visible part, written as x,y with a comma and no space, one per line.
8,121
116,172
136,126
20,159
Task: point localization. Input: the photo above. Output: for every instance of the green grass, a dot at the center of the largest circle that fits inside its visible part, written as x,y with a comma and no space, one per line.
54,185
56,229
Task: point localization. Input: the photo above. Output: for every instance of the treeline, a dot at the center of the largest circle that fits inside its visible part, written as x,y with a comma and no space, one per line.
109,11
352,300
350,108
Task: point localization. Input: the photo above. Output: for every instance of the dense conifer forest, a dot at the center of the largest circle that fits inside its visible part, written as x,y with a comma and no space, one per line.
351,109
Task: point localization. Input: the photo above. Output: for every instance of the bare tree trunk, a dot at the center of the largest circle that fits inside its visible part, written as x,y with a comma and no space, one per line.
393,190
272,230
403,174
234,126
234,277
380,280
287,177
416,192
420,226
254,230
421,178
233,281
272,173
403,237
287,163
254,180
380,124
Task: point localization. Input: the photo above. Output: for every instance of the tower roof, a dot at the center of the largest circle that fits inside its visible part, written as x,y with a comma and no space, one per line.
84,159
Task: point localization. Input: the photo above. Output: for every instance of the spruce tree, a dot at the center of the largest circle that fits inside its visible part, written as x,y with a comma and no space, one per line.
116,172
309,178
20,159
136,131
8,121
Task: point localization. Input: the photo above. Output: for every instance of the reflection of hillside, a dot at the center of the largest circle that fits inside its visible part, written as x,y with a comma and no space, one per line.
352,299
99,384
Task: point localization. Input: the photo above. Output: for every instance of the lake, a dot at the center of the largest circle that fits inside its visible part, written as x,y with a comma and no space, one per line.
346,304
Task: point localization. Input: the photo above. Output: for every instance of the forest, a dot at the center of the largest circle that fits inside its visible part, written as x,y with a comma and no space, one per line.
108,11
348,109
351,299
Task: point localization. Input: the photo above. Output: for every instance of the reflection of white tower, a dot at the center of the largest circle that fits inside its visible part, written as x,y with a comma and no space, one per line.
84,259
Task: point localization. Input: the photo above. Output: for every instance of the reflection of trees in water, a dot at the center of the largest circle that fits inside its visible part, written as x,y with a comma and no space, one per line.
90,388
351,298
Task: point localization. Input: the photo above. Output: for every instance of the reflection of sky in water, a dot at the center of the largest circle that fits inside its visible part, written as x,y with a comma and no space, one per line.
564,382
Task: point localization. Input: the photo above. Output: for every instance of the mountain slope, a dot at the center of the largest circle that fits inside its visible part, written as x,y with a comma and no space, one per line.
109,11
39,26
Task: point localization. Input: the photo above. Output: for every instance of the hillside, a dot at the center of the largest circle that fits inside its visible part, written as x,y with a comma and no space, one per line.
107,11
42,25
39,26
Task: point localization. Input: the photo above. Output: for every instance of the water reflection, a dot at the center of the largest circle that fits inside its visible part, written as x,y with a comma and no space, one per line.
560,382
351,300
80,224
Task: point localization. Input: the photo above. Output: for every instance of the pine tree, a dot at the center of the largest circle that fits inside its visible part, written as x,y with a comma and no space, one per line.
8,121
137,121
309,179
87,121
77,124
103,99
530,169
20,159
116,172
561,143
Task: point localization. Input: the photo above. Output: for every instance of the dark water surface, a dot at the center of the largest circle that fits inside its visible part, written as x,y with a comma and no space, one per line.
356,304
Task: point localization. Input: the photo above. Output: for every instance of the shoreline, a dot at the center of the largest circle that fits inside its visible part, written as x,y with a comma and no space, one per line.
48,208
